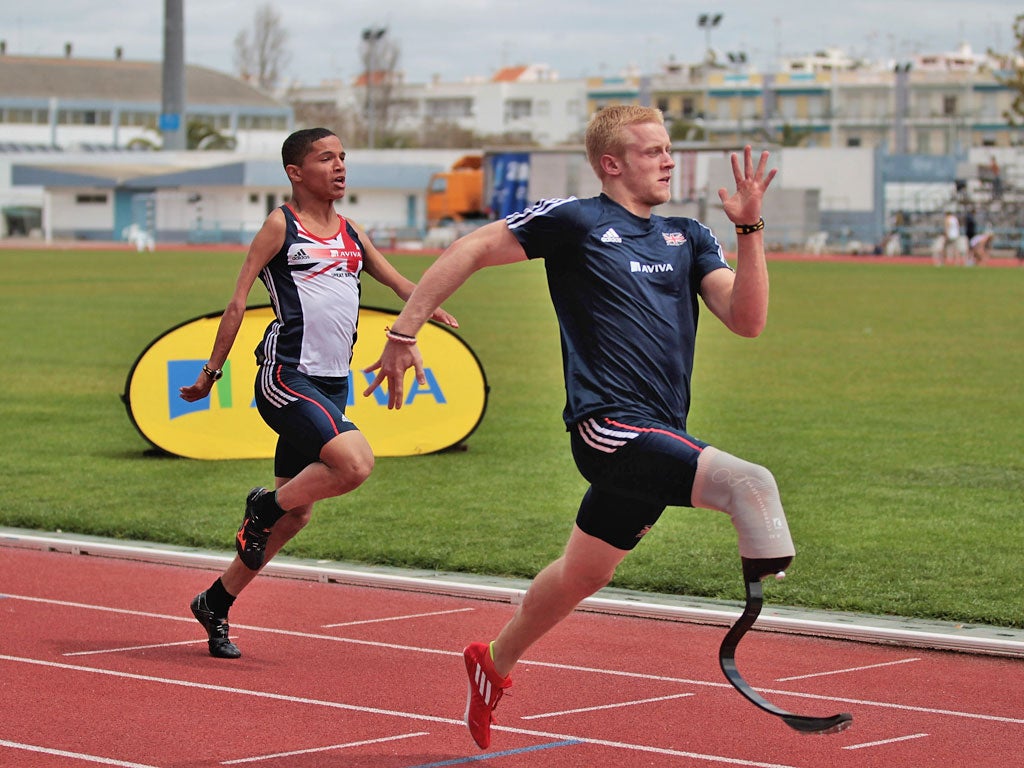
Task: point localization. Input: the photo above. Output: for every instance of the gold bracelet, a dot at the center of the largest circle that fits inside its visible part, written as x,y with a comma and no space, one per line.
747,229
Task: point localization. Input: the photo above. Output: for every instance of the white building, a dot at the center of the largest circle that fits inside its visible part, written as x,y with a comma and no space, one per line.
71,103
208,197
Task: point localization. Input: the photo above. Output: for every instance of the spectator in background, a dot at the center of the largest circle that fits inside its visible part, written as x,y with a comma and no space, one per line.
997,180
950,250
980,248
970,224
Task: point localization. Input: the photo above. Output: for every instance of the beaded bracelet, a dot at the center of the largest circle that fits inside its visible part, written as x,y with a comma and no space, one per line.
747,229
399,338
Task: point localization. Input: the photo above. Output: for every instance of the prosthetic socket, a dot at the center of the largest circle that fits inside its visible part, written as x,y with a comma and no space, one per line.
748,494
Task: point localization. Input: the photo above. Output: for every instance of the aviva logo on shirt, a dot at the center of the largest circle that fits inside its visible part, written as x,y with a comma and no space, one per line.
636,266
226,425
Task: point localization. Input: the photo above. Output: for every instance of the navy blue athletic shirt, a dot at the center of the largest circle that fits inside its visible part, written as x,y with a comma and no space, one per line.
625,290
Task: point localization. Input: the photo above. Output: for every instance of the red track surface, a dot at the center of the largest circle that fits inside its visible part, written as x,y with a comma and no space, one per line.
102,663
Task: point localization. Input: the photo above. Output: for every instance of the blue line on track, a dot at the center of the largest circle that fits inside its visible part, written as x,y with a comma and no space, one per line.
493,755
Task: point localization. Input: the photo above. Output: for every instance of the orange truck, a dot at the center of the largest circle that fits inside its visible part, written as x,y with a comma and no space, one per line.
457,195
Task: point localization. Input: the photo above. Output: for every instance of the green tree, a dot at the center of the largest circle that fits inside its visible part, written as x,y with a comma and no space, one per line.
1013,73
199,135
686,130
261,53
793,137
202,135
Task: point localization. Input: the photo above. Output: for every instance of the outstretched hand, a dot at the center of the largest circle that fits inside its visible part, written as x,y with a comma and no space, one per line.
394,361
196,391
441,316
744,205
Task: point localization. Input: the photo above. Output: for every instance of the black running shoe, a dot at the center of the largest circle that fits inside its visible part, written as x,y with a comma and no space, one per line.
216,628
251,539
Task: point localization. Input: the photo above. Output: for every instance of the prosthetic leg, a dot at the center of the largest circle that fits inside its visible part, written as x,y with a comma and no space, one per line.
748,494
753,572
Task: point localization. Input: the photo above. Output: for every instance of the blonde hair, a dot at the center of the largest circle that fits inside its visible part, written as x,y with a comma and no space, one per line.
604,131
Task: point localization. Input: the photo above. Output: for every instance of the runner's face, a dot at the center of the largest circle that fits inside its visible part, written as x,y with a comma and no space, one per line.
648,163
323,168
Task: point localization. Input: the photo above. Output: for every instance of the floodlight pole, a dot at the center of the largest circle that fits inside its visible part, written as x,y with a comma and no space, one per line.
172,113
371,36
707,22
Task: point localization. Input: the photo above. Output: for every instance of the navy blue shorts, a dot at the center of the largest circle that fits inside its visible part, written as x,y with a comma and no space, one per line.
307,412
636,468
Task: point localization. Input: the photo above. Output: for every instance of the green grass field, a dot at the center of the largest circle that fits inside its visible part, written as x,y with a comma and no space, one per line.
886,398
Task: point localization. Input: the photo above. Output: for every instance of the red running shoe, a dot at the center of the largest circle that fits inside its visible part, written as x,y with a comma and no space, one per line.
486,687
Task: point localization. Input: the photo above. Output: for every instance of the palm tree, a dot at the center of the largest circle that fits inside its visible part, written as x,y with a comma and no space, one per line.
199,135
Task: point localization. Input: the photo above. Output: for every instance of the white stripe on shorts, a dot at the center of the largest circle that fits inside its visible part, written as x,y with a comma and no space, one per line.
602,438
276,396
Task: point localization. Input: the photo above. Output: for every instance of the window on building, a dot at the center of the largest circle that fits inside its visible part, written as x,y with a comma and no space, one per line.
143,119
920,105
689,106
91,199
97,117
221,122
25,116
923,141
990,106
408,108
882,105
251,122
255,123
449,109
817,107
853,141
518,109
852,105
949,105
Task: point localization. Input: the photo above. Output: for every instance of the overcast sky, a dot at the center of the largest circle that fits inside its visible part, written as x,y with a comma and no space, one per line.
455,39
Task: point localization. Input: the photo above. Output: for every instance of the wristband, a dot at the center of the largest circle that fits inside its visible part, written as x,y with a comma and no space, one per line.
213,374
747,229
399,338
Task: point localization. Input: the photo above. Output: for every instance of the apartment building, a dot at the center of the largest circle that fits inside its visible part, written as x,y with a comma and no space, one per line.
932,104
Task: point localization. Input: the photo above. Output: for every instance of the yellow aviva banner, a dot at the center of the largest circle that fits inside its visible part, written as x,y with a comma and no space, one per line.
226,425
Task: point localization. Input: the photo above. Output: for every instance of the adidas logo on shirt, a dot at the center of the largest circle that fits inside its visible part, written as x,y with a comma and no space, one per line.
611,236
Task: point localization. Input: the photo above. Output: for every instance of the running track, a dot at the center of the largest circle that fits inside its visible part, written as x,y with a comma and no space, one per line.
101,663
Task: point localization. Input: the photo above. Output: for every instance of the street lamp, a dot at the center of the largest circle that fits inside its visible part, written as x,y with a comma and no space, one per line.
707,22
371,37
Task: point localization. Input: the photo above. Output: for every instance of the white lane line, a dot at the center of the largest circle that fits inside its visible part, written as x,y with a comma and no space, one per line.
1006,644
388,712
203,686
883,742
606,706
552,665
776,692
396,618
74,755
349,745
844,671
131,648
